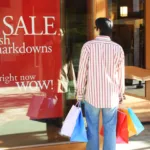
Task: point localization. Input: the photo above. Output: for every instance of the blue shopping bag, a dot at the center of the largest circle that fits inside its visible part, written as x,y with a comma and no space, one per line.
137,123
79,133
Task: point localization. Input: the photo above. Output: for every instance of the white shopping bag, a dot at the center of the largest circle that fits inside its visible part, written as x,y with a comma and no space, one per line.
70,121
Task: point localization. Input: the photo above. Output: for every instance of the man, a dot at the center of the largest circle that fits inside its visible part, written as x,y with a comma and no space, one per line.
100,84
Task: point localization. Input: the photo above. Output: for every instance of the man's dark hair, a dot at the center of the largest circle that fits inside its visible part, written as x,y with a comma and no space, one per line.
104,25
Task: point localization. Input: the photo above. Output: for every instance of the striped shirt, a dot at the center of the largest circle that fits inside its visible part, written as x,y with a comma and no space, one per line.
101,73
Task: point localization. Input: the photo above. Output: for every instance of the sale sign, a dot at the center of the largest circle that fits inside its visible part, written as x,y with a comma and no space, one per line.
30,47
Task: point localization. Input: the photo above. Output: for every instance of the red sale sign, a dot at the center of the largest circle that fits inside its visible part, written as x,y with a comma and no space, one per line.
30,50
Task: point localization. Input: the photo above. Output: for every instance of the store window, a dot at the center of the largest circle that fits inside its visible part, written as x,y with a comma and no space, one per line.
129,32
40,44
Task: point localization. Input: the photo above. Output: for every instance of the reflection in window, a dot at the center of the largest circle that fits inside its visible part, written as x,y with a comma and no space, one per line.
129,32
15,125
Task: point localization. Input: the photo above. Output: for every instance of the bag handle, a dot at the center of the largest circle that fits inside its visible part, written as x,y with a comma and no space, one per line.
78,103
123,107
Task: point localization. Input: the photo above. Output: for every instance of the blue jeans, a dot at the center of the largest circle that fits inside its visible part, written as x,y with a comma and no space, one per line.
92,115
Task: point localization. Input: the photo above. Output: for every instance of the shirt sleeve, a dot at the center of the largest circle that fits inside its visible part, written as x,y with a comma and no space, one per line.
82,73
121,74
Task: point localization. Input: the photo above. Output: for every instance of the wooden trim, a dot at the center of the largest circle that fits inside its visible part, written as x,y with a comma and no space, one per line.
147,32
100,10
62,146
147,20
96,9
90,19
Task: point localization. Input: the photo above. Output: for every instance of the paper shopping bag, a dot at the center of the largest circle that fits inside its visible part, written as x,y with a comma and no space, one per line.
79,133
44,108
121,128
131,128
70,121
34,106
137,123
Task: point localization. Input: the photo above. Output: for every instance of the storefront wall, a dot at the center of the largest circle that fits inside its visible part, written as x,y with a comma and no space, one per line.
28,78
95,8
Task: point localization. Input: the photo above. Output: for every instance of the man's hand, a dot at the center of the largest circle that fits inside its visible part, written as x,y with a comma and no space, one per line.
121,98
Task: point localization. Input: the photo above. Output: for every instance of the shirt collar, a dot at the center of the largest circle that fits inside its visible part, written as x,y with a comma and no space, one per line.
103,38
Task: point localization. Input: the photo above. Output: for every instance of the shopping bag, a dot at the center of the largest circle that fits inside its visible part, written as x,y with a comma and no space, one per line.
121,128
137,123
79,133
70,121
131,128
34,106
43,108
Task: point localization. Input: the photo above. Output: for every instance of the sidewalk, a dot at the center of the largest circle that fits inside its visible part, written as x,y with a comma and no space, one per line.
140,142
14,125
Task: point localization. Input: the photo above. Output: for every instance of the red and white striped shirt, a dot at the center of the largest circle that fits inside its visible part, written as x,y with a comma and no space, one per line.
101,73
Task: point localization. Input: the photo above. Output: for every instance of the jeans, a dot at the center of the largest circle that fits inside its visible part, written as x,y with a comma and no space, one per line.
92,115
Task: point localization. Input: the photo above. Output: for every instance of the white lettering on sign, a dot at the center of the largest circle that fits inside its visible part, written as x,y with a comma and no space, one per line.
49,22
28,77
44,84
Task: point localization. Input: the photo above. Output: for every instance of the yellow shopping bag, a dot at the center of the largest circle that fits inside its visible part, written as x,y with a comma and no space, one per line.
131,128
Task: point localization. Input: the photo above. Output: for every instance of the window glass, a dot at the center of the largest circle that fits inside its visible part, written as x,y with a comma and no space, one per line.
40,44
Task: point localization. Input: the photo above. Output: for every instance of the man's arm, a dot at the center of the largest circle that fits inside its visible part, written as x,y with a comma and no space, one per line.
82,73
121,75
